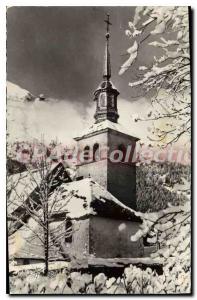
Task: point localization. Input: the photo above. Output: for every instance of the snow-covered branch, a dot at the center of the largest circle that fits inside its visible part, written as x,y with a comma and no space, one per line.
165,29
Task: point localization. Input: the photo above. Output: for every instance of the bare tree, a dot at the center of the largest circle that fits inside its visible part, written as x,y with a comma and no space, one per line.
166,77
38,195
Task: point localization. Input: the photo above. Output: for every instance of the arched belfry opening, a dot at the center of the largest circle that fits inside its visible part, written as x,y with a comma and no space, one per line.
96,154
86,153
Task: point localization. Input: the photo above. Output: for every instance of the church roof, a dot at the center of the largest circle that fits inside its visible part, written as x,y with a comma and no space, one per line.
24,243
104,126
82,198
104,85
19,187
86,197
23,191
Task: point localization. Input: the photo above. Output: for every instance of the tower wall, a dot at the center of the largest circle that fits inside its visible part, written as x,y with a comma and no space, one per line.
121,182
119,178
96,169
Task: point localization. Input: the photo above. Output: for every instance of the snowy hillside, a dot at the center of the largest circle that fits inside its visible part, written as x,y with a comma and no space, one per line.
16,93
29,118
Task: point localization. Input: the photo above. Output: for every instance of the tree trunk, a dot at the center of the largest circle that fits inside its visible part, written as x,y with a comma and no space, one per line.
46,254
46,238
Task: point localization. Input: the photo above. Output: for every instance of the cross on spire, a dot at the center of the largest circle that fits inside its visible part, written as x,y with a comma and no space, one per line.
107,65
108,24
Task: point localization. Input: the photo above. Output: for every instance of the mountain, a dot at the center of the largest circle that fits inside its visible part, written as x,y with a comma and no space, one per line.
16,93
30,117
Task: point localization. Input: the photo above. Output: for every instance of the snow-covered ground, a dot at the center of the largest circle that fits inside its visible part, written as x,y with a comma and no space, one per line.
39,266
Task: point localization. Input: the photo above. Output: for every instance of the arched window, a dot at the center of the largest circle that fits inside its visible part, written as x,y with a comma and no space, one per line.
103,100
96,152
86,153
68,233
111,101
123,149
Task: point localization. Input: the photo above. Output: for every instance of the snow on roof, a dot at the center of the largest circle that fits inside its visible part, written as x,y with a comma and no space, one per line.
105,125
24,243
110,83
21,185
77,199
77,195
86,197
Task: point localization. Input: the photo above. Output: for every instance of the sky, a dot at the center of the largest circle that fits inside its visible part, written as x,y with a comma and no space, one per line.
59,51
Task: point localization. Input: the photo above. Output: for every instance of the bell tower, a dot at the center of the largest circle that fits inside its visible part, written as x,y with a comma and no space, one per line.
107,149
106,95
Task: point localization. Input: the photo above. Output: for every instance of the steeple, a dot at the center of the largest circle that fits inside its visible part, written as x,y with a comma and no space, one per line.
106,94
104,140
107,64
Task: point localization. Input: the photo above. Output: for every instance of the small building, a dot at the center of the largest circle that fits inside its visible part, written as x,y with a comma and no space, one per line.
101,226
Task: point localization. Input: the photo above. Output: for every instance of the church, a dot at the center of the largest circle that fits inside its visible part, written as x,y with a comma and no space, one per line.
102,207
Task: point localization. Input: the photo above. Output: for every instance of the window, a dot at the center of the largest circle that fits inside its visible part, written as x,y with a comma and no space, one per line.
26,261
86,153
103,100
68,234
111,101
96,152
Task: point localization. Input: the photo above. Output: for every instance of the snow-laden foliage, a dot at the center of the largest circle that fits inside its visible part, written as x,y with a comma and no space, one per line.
172,229
167,191
133,281
132,56
29,153
158,185
164,31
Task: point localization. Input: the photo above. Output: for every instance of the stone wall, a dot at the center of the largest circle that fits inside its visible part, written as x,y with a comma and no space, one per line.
110,238
80,241
79,246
